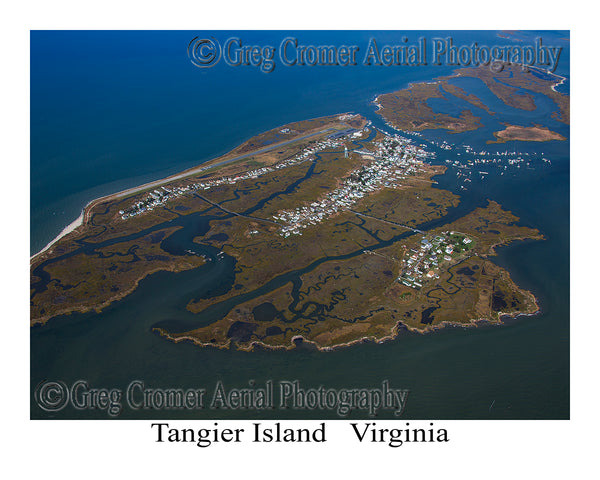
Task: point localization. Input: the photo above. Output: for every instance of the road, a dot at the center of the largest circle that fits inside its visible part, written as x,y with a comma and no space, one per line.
235,213
416,230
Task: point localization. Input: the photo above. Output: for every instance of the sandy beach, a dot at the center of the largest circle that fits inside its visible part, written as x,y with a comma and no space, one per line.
123,193
65,231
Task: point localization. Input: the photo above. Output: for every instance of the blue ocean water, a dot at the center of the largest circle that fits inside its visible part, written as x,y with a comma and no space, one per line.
110,110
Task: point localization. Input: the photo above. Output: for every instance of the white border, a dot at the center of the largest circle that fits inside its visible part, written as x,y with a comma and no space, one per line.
503,449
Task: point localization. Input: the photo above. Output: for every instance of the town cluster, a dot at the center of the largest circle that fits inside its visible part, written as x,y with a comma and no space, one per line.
161,195
394,158
424,263
470,159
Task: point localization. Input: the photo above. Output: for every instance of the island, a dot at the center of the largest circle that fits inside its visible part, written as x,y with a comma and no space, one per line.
537,133
410,108
325,233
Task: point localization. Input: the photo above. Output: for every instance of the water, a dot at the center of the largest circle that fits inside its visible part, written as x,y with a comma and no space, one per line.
112,110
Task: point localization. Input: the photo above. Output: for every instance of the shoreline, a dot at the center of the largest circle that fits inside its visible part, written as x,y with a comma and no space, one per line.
395,332
79,221
64,232
553,87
